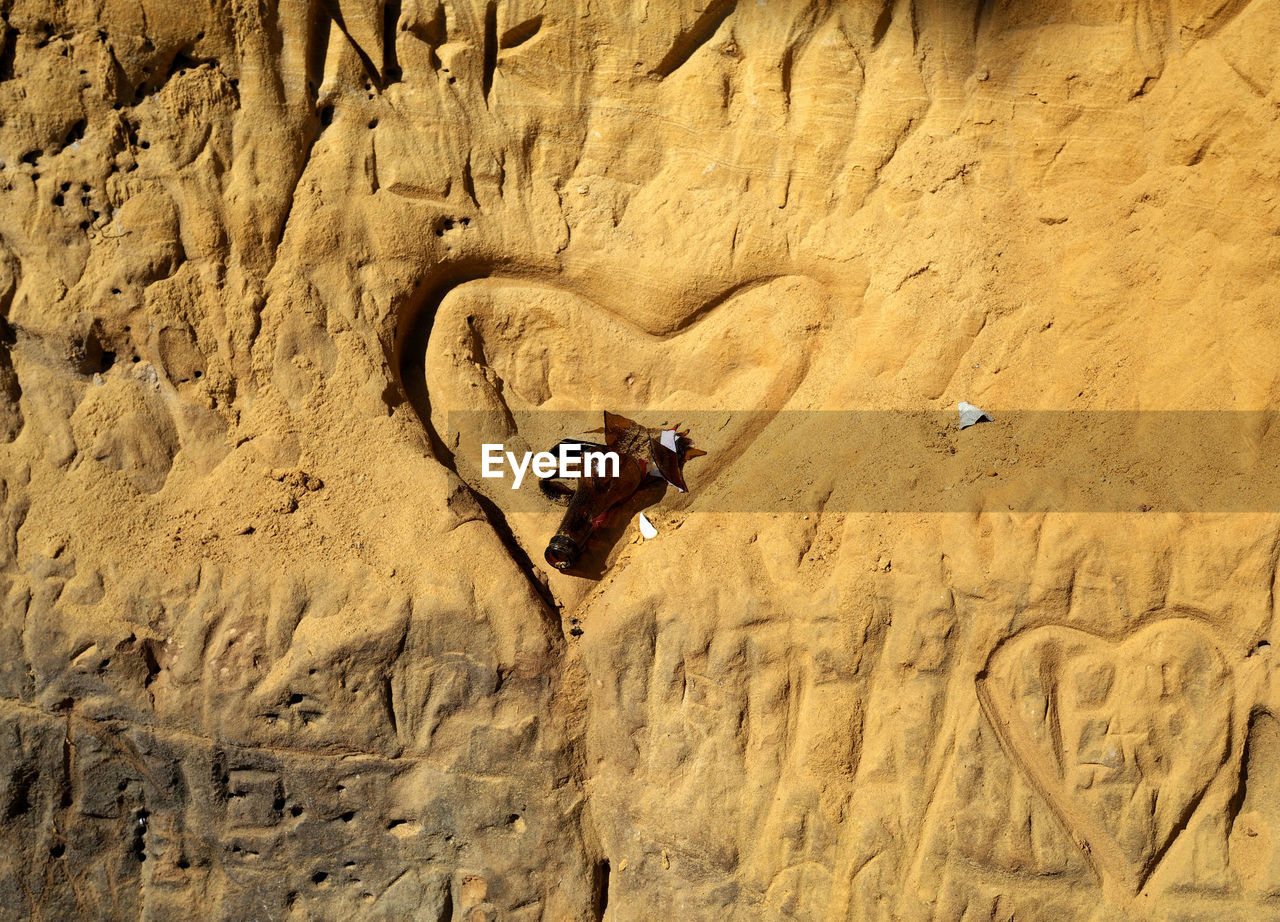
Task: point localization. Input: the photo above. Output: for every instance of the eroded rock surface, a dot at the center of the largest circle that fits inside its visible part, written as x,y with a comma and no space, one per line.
265,655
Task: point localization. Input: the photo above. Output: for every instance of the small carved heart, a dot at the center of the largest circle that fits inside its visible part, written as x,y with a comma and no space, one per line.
1121,737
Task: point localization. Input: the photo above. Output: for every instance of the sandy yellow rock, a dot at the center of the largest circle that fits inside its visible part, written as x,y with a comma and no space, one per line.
248,249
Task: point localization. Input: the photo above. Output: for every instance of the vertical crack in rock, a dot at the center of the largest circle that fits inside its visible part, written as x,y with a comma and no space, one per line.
391,70
489,48
688,42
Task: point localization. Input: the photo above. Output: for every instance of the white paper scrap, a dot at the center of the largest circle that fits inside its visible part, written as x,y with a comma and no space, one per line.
646,528
969,414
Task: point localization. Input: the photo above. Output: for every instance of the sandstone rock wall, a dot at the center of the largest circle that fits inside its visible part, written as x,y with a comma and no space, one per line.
265,655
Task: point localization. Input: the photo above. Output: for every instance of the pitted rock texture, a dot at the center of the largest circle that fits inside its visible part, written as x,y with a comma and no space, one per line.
267,652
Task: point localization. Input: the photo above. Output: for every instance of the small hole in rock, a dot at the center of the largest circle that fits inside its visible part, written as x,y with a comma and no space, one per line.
319,877
58,850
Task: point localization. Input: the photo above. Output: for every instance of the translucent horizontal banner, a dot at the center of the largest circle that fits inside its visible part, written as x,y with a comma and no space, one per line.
911,461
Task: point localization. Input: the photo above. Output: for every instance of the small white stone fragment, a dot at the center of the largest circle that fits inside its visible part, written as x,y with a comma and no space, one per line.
969,414
646,527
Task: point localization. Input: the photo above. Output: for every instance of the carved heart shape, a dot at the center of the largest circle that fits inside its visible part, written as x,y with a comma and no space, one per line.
524,364
1121,737
500,347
